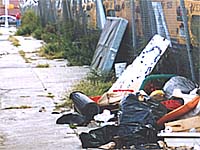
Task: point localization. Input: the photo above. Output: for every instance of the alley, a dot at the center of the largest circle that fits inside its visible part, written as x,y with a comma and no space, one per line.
25,89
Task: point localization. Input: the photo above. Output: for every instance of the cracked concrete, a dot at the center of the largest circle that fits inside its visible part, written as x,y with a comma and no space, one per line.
23,84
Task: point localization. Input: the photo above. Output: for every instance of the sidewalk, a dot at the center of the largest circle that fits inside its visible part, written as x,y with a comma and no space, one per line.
25,89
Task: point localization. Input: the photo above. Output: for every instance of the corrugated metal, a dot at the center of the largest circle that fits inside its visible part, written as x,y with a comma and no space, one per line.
108,44
160,20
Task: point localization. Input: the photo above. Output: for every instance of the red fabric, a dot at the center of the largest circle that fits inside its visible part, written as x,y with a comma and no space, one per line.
123,90
17,16
171,104
179,111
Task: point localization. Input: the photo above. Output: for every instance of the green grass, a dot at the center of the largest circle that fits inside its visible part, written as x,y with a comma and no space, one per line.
88,88
23,55
14,41
42,66
19,107
50,95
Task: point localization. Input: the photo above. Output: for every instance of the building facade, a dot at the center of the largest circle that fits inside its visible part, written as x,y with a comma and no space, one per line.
13,7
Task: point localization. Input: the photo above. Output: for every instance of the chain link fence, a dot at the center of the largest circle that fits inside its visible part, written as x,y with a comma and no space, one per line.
146,18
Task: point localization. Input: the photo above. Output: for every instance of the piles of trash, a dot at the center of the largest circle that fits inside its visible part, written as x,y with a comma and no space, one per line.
171,115
141,110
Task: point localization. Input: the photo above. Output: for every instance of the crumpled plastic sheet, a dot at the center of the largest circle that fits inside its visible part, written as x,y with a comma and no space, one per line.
179,82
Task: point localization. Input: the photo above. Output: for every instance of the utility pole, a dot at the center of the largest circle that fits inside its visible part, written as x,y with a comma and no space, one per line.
6,3
187,37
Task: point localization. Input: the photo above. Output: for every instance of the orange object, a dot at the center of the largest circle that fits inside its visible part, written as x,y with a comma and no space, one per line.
95,98
179,111
11,6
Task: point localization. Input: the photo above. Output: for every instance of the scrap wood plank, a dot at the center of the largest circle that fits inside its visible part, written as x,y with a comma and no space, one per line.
185,124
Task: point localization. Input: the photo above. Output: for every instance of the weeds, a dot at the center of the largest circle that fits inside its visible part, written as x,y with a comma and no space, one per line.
95,85
50,95
42,66
66,40
19,107
23,55
14,41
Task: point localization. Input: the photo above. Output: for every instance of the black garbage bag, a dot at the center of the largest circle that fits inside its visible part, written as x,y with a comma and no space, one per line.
179,82
98,137
72,118
137,125
135,134
123,135
143,112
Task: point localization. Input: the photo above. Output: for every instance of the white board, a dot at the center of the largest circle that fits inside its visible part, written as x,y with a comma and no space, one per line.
132,78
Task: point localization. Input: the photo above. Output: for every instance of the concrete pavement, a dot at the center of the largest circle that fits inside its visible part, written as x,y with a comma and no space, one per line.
25,89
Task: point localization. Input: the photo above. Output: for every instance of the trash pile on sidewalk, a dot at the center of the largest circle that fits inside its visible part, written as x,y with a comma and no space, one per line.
139,111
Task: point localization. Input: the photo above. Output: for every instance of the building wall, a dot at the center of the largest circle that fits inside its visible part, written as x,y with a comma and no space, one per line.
11,12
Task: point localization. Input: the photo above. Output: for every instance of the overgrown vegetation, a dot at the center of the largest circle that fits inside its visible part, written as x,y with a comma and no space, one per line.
30,23
69,40
63,39
95,84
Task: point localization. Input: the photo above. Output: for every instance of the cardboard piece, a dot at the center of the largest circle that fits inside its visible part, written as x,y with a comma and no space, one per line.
185,125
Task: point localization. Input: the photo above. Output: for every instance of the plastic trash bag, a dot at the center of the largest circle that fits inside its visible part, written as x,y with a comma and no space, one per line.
143,112
98,137
123,136
179,82
137,125
72,118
